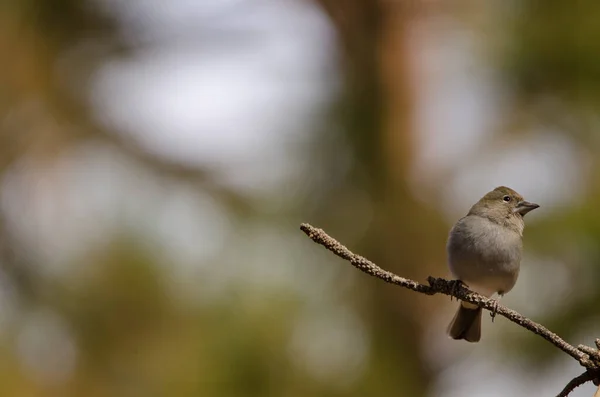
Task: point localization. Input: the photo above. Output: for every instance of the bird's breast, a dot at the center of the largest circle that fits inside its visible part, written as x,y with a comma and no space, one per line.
484,253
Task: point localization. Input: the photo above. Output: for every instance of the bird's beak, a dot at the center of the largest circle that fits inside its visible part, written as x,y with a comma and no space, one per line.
524,207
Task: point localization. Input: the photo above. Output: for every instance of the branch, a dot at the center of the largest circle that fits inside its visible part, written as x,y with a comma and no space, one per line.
584,355
576,382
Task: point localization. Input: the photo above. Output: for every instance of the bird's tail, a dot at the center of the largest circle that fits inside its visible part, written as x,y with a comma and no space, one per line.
466,323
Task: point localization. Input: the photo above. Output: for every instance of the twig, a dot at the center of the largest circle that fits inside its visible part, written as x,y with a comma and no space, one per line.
590,351
456,289
576,382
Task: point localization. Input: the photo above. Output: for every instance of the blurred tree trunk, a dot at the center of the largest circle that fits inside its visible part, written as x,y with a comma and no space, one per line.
374,38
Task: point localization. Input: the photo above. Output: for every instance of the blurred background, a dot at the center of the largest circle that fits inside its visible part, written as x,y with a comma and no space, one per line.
157,158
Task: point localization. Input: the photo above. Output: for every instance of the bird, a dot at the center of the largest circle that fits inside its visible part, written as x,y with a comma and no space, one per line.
484,252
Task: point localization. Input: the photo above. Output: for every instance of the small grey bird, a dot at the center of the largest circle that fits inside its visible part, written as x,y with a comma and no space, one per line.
484,252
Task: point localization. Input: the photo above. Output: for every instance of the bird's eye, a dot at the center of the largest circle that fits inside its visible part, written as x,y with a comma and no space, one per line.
506,198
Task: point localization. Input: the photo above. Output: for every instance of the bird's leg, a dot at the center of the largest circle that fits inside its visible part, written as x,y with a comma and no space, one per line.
455,287
494,311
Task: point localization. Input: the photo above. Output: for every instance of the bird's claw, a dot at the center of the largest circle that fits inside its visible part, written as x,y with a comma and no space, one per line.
494,310
455,287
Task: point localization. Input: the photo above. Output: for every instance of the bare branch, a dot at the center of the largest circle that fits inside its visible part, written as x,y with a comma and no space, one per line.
587,356
590,351
576,382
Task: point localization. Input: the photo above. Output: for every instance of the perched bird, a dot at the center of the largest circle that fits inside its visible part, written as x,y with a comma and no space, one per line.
484,252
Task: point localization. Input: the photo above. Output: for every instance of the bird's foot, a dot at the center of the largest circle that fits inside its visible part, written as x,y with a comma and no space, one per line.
494,310
456,285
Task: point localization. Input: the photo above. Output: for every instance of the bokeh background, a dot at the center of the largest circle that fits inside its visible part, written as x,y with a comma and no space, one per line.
157,158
